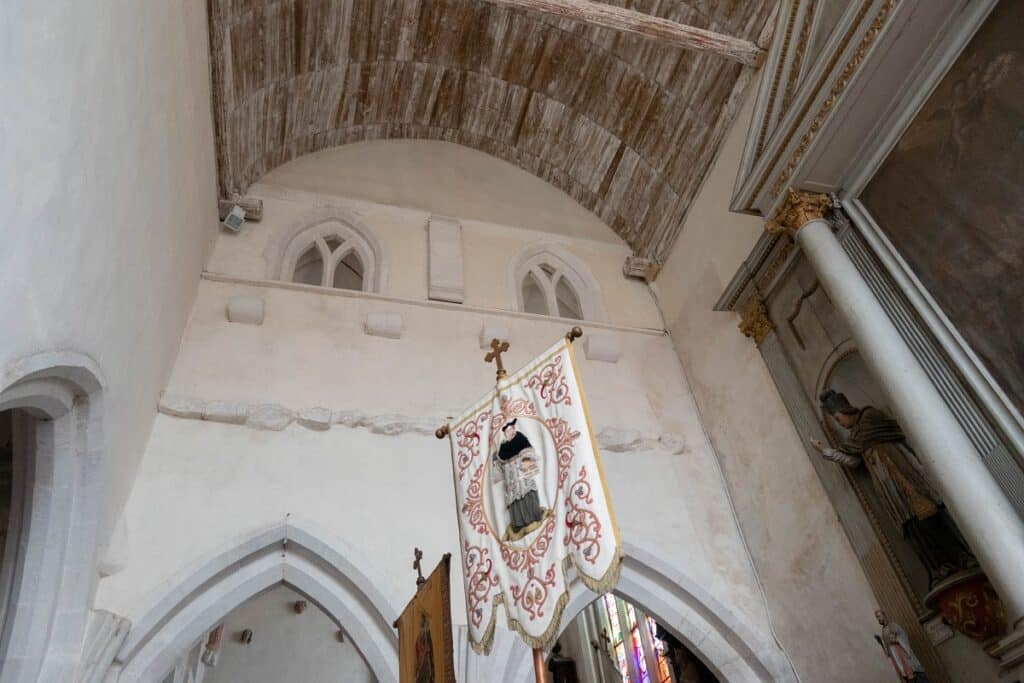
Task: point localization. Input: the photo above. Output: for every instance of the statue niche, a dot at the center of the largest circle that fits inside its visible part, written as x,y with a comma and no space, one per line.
868,439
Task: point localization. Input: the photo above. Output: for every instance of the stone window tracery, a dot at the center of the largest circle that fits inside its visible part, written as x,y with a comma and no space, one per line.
331,254
549,281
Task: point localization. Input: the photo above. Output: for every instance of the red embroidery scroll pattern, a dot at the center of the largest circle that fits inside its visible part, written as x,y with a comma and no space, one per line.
534,594
473,506
480,580
565,440
584,525
550,383
467,439
523,559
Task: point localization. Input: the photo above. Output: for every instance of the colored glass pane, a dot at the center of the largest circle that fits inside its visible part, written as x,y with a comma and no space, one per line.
620,656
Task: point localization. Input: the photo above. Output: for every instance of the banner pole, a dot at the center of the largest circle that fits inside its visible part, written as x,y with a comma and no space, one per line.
538,665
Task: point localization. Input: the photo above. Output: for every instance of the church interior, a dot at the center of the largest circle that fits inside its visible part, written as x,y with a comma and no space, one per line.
263,253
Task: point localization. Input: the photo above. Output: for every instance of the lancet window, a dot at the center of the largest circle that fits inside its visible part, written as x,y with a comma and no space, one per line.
330,254
549,283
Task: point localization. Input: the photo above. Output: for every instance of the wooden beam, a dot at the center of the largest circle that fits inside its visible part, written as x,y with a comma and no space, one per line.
644,25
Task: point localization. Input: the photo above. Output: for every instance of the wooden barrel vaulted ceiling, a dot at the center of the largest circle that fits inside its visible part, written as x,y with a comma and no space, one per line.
625,125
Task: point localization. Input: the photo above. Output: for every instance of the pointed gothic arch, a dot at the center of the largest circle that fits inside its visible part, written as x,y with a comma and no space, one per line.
334,235
734,650
550,266
326,573
48,570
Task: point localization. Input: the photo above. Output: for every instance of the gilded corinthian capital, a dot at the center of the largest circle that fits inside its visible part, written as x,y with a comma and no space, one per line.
798,209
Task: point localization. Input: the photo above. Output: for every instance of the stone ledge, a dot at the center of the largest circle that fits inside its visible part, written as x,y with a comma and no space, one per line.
273,417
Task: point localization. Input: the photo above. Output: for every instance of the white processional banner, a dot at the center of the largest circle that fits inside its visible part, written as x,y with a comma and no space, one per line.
531,501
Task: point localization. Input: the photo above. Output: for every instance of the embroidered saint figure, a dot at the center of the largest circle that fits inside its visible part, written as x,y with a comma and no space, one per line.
515,463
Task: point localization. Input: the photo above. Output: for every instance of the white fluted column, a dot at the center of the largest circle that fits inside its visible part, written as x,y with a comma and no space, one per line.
984,514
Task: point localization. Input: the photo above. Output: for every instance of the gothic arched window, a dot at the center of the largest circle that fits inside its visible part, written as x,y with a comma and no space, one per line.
549,281
331,254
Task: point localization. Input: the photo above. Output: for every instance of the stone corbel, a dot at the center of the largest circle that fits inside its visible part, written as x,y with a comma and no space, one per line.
642,268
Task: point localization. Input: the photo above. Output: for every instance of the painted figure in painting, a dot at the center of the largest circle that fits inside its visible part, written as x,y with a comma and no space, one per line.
424,653
897,648
515,463
875,440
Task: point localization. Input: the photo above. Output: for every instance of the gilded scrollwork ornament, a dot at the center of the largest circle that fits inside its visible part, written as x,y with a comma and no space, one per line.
754,320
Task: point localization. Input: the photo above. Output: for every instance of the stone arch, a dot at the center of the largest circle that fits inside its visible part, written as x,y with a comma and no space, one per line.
326,574
732,648
297,236
48,567
565,264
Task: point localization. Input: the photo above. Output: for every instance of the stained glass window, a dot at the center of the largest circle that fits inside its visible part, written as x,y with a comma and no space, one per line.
664,672
616,641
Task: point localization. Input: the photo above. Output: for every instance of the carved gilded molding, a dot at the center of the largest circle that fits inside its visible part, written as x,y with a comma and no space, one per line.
754,320
798,209
773,92
838,87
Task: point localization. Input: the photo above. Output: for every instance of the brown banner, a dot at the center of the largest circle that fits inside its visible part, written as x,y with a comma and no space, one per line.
425,631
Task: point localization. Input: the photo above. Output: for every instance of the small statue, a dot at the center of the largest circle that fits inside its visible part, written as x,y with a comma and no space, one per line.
562,668
516,464
896,645
876,440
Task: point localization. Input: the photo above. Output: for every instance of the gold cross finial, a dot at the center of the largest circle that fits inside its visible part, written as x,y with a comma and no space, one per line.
497,348
418,566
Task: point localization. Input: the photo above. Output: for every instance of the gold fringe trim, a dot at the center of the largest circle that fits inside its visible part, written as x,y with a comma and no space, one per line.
547,639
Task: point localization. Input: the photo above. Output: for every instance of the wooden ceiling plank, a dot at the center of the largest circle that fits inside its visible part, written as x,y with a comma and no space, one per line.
645,25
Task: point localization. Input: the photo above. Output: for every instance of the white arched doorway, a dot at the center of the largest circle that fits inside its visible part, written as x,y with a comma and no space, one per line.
53,402
732,648
285,554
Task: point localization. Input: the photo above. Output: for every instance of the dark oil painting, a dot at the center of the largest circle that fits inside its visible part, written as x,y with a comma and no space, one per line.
950,196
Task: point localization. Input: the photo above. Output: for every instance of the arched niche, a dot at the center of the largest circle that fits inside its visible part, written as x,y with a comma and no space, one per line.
48,571
327,574
734,650
335,235
845,371
549,267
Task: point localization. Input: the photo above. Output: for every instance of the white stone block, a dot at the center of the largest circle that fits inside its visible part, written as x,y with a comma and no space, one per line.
271,417
188,408
345,418
618,440
444,236
388,425
493,331
387,325
603,346
227,412
247,310
318,419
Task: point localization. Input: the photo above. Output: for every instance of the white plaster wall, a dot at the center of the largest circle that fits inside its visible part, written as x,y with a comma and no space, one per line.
109,196
285,646
441,177
819,599
203,484
493,233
